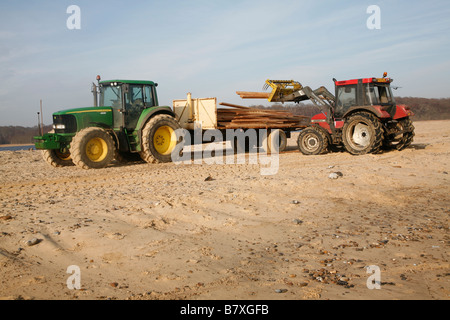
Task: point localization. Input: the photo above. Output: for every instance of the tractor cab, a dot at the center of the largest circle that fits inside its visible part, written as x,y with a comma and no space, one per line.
366,94
128,99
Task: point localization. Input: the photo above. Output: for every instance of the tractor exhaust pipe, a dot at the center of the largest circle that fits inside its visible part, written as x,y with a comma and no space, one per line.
94,92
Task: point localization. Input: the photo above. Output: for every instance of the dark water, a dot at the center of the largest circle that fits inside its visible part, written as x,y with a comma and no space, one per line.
18,148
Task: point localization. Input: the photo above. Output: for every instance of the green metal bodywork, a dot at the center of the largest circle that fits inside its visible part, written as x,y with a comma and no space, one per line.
103,117
53,141
89,117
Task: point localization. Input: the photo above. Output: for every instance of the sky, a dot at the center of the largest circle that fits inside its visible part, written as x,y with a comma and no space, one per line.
214,48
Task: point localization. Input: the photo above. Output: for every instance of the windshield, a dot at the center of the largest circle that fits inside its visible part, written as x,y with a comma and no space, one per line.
378,94
110,96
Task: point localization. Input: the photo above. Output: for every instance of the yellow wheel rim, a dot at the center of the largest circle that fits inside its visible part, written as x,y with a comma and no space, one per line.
164,140
63,156
96,149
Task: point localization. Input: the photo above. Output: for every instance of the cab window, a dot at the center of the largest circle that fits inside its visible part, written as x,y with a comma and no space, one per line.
148,96
346,98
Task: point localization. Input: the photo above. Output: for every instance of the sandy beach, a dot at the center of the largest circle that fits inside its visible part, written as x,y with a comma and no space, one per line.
197,231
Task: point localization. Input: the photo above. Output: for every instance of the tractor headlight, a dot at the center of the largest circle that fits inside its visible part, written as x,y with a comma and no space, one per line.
59,126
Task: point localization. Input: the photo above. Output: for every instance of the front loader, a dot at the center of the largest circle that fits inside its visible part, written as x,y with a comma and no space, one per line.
126,122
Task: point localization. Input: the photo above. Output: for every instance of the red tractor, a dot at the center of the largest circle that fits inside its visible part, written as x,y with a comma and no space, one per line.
363,117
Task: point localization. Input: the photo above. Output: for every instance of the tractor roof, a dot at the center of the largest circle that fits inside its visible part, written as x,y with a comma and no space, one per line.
130,82
365,80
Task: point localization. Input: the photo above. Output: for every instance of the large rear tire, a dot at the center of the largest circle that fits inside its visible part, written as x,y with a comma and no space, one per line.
92,148
312,141
362,133
159,139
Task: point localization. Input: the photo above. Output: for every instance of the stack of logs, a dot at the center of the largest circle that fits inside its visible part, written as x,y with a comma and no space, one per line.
236,117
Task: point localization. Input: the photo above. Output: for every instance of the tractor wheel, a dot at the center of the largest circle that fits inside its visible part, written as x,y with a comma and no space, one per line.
92,148
159,139
403,139
362,133
312,141
271,144
57,159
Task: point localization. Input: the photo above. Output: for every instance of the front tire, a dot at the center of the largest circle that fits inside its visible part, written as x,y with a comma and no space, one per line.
57,159
92,148
404,139
159,139
362,133
312,141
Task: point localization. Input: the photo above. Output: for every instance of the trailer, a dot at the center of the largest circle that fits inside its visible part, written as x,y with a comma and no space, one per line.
269,129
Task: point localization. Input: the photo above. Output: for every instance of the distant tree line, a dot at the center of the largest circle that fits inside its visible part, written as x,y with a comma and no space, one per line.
427,109
20,135
423,108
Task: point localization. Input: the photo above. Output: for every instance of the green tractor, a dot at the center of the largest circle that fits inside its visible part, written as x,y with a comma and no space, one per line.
126,122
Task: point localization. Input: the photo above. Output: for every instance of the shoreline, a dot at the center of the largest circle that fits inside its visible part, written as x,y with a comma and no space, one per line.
16,145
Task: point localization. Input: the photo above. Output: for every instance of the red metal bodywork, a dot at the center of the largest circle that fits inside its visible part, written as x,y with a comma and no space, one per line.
321,120
402,111
365,80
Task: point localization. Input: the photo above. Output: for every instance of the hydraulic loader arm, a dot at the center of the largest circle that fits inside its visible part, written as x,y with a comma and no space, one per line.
321,98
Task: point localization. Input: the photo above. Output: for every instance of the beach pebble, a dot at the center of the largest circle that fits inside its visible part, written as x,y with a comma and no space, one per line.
280,290
32,242
335,175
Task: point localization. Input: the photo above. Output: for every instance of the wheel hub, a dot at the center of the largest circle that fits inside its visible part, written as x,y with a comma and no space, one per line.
361,135
312,142
96,149
163,140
